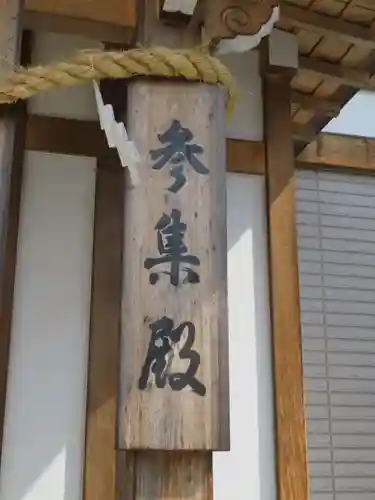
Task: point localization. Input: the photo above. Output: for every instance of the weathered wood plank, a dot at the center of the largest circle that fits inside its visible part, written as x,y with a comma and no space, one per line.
284,286
169,418
172,475
125,484
162,475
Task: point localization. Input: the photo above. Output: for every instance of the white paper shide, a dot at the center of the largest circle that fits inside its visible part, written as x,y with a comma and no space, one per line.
117,136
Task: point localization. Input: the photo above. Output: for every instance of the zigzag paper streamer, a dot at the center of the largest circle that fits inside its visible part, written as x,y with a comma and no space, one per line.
117,136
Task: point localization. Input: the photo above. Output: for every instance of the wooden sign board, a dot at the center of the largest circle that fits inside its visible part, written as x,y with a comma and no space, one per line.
174,346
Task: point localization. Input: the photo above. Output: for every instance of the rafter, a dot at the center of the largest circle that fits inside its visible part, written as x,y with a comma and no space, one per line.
328,25
347,76
303,132
316,104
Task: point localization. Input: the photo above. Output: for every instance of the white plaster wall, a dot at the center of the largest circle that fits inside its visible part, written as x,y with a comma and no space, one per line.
46,397
69,102
45,407
247,118
248,470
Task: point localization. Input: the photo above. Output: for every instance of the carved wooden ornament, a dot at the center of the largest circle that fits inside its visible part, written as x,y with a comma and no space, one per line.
224,19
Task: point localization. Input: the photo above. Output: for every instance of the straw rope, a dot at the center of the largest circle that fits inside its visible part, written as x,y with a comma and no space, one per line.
90,65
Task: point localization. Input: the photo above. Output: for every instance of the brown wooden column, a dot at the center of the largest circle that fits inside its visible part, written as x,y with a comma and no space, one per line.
103,365
284,288
106,290
167,472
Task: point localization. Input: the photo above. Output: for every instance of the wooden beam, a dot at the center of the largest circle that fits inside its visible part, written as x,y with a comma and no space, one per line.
316,104
12,132
291,460
65,136
116,12
328,25
95,30
358,79
84,138
103,365
245,157
334,150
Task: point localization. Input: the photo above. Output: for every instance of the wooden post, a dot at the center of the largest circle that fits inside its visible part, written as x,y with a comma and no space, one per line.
285,314
174,373
103,366
12,138
10,40
99,480
157,475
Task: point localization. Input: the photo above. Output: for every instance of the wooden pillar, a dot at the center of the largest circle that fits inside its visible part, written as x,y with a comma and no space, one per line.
10,41
169,424
12,139
106,290
284,285
103,366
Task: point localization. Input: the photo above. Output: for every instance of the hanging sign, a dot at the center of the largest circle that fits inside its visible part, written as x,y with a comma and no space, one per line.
174,346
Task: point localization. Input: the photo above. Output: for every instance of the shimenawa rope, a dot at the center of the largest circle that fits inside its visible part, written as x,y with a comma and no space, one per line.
90,65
